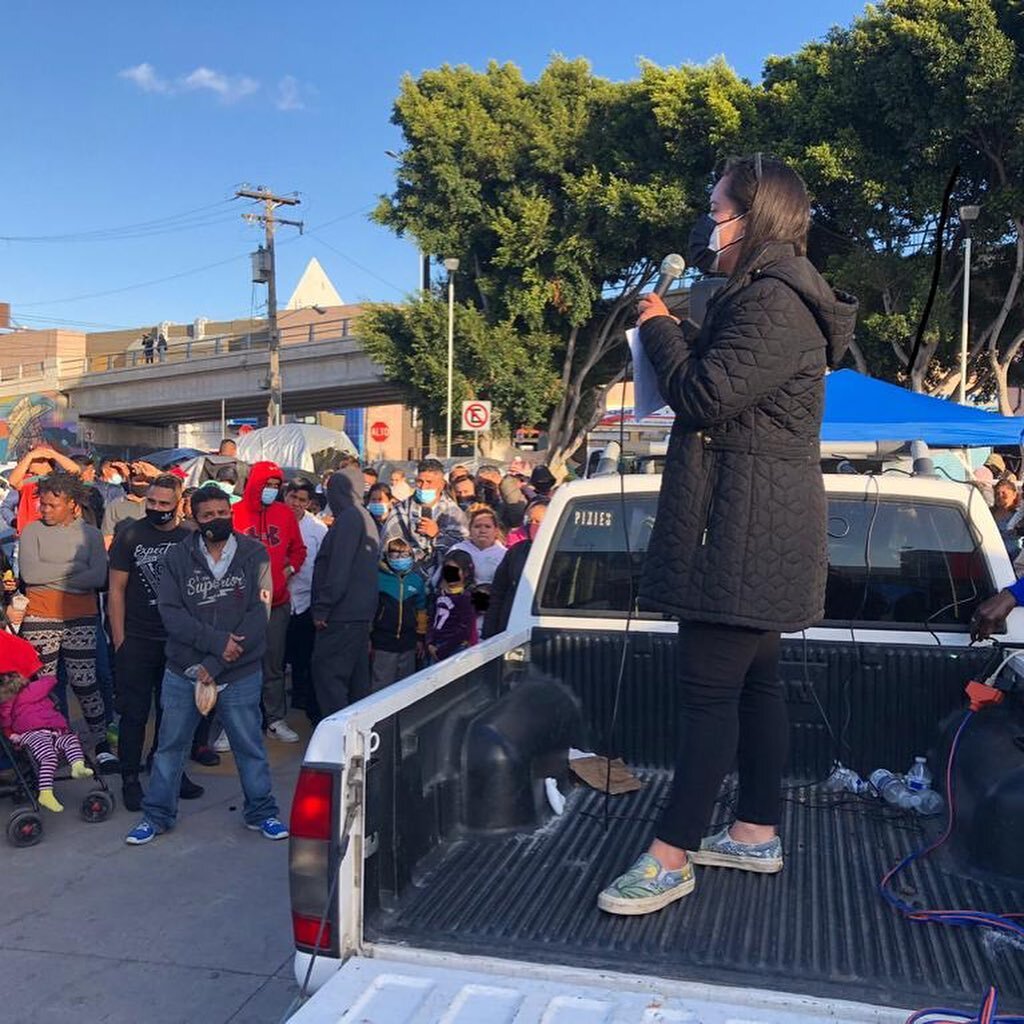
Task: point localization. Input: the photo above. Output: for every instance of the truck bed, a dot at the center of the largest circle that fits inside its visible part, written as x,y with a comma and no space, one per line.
819,928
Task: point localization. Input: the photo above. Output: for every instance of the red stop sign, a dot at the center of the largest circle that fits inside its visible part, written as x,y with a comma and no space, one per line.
380,431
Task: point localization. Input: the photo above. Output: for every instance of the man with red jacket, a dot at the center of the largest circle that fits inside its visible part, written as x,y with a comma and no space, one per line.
259,514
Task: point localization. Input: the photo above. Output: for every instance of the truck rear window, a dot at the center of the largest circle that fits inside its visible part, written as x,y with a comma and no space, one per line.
892,562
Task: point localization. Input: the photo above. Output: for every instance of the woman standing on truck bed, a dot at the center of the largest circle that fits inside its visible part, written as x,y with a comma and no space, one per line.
738,551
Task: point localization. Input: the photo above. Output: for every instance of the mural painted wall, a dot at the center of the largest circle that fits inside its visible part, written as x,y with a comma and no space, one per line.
34,419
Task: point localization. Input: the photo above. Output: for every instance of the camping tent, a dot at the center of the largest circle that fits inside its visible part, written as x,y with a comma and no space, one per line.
296,445
859,408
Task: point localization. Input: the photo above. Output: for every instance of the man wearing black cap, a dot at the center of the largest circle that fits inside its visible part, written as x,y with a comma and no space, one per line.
542,480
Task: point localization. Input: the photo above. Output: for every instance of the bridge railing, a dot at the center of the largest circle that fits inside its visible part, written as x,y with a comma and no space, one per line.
197,348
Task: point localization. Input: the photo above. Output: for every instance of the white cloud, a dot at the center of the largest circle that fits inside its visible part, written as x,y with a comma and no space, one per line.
228,88
289,94
145,77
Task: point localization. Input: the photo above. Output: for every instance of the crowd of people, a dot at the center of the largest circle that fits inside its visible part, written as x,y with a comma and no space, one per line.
199,605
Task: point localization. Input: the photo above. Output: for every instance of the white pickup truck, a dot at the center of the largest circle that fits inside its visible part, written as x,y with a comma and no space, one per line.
434,883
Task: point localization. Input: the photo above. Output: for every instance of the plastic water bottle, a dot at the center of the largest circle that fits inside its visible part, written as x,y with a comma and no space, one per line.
844,780
929,802
919,781
892,789
919,778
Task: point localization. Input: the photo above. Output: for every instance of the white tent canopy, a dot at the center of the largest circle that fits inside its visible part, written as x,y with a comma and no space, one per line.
292,444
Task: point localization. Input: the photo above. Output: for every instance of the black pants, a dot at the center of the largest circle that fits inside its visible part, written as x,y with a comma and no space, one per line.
732,707
299,654
138,671
341,665
139,665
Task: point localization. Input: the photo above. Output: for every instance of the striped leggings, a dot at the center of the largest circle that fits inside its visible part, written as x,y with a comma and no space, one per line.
43,745
74,642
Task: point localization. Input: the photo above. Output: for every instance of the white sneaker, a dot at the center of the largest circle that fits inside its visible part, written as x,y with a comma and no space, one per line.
282,731
221,744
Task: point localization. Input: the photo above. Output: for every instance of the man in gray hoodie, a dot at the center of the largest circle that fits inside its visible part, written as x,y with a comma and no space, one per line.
214,600
344,598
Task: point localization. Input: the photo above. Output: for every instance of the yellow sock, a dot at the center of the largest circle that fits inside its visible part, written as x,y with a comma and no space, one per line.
49,801
80,770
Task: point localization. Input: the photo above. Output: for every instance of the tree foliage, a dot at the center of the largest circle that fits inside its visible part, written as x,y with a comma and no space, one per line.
558,195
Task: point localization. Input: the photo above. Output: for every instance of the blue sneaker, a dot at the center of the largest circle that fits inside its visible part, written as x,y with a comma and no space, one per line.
646,887
271,828
144,832
722,851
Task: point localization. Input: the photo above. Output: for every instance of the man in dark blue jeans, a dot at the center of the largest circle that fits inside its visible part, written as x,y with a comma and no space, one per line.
214,599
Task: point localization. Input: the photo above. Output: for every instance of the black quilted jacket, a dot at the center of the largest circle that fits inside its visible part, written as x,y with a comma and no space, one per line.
740,533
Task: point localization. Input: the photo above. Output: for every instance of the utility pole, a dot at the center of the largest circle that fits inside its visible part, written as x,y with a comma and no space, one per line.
269,221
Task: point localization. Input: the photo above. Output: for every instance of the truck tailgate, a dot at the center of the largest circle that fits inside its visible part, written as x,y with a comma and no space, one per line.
390,991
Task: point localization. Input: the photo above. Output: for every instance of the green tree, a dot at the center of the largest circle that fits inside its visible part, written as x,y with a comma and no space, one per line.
877,116
511,368
558,197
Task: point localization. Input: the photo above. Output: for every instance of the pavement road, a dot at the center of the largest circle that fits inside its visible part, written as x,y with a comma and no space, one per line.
193,928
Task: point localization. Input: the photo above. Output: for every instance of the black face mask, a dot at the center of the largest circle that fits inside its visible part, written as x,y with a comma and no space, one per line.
451,574
703,249
216,531
159,517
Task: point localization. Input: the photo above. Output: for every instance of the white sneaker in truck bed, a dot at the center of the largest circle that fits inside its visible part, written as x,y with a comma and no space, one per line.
385,991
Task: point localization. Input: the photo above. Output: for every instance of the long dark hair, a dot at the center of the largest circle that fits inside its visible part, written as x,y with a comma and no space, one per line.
774,198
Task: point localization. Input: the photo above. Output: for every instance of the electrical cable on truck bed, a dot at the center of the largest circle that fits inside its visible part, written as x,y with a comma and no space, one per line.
980,694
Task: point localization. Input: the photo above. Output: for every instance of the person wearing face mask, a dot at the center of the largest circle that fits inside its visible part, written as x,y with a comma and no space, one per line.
453,628
378,503
463,489
298,495
400,625
133,504
738,550
259,514
429,521
136,563
214,600
510,571
344,599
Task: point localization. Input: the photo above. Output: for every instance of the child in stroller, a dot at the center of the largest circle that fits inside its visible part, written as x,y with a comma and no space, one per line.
30,719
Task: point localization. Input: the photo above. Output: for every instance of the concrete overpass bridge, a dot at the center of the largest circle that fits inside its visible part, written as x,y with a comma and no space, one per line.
196,377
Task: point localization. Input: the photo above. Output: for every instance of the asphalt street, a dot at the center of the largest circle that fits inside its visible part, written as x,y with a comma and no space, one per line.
191,929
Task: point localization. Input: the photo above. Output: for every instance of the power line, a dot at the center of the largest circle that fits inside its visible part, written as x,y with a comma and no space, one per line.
357,264
141,284
205,267
178,221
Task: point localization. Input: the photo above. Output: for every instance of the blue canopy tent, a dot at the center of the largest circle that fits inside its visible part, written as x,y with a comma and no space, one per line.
859,408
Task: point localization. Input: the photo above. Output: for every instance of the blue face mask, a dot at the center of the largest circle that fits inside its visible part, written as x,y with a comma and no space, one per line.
268,495
426,495
377,509
401,564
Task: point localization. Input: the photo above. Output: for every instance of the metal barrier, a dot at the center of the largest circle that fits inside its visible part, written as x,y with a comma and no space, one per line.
192,348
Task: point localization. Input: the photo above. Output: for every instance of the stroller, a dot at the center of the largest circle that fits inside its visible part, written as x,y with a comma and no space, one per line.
25,824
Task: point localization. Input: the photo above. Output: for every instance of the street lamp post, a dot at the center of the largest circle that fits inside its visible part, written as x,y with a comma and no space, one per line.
451,265
968,215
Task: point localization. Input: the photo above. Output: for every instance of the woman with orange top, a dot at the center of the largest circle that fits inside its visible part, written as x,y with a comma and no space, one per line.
63,563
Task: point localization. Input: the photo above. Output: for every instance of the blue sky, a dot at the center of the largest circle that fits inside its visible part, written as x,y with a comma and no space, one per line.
115,114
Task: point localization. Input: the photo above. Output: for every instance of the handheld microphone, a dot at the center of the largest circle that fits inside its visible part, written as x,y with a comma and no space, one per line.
671,269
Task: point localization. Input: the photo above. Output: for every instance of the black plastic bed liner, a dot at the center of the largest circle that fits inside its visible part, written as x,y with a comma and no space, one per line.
819,928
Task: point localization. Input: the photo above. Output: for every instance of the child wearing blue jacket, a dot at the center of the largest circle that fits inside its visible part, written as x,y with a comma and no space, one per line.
400,625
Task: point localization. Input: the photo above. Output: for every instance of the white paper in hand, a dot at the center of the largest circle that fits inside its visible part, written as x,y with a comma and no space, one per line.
647,397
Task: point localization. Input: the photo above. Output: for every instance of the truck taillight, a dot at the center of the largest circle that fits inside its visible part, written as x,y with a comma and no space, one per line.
312,805
307,932
312,847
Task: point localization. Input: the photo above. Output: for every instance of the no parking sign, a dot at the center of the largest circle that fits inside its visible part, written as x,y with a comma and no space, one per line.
476,415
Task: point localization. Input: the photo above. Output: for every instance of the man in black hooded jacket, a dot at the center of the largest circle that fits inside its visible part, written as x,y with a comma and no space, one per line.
344,597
